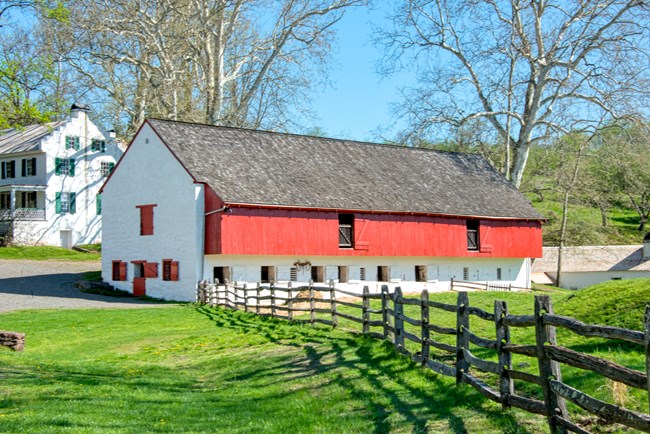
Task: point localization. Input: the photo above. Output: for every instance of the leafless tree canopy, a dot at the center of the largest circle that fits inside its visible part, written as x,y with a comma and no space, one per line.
232,62
531,69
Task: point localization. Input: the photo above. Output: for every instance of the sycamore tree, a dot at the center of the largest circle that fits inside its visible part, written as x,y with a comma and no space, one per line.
532,70
230,62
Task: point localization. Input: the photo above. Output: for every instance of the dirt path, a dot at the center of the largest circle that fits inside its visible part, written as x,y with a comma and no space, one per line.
51,284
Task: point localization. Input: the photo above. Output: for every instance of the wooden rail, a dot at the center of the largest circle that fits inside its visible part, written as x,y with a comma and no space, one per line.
414,336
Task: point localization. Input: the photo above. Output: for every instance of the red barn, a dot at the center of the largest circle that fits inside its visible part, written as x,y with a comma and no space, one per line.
189,202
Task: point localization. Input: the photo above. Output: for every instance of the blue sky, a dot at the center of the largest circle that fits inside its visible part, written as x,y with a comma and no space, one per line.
358,101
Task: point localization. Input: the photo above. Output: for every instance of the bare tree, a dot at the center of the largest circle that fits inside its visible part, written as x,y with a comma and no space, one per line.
533,69
623,166
233,62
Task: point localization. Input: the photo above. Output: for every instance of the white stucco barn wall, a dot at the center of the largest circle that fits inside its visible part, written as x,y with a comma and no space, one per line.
85,226
150,174
247,269
579,280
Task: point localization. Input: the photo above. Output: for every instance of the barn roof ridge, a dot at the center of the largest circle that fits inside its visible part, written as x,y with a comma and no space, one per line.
320,138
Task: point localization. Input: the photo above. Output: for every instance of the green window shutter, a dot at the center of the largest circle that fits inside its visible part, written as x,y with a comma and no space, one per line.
58,203
73,203
76,143
103,146
67,142
34,166
111,166
24,167
98,203
71,171
57,166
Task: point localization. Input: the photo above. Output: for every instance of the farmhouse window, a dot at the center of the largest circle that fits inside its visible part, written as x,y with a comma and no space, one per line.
318,273
98,204
119,271
29,166
267,274
362,273
221,274
106,167
346,230
472,235
170,270
343,274
146,219
5,200
98,145
66,203
64,166
383,273
72,142
28,199
8,169
420,273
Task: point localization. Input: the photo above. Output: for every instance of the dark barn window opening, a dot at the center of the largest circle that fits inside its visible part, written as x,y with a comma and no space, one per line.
472,235
346,230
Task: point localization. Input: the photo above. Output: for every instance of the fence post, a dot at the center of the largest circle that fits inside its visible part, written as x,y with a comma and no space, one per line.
506,385
213,299
462,339
257,302
548,368
290,302
647,349
245,298
365,306
272,299
384,309
312,304
335,318
424,316
451,284
398,319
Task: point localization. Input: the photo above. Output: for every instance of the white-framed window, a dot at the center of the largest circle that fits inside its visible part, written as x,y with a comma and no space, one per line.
65,203
64,166
106,167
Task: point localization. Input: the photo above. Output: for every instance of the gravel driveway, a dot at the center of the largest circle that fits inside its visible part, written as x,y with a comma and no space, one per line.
51,284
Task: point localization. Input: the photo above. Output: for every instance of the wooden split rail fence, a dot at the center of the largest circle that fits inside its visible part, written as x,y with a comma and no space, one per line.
413,337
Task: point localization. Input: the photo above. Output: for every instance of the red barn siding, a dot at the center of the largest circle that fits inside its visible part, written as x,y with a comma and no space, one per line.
212,221
248,231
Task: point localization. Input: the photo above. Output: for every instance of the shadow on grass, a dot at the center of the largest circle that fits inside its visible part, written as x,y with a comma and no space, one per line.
355,363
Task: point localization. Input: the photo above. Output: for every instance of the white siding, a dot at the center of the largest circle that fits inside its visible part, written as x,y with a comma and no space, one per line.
402,270
150,174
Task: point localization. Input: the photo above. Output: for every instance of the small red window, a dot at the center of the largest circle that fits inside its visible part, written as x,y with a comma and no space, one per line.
170,270
119,271
146,219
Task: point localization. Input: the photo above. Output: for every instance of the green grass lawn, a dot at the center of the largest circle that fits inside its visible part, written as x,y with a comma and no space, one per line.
196,369
189,369
43,253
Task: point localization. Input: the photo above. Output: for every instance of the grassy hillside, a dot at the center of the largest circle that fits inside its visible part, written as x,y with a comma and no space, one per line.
619,303
585,224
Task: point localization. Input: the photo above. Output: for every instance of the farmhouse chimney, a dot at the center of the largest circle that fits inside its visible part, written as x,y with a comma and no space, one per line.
646,246
79,111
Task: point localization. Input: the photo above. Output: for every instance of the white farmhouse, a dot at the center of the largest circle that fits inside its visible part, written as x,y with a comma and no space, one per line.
50,180
191,202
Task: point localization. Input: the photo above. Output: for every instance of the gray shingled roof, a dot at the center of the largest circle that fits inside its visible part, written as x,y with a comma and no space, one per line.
25,139
264,168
